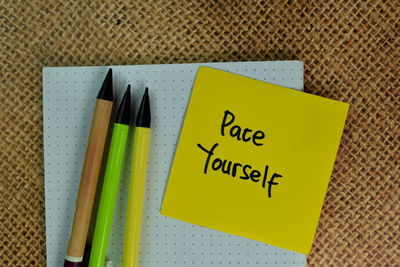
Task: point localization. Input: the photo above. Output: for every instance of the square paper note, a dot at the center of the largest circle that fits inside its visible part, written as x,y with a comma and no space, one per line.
254,159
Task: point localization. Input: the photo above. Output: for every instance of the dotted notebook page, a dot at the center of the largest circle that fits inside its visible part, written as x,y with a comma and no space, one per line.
69,94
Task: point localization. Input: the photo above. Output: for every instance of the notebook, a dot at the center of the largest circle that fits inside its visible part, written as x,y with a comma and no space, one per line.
68,100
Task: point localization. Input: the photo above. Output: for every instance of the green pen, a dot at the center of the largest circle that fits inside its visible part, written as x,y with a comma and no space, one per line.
111,180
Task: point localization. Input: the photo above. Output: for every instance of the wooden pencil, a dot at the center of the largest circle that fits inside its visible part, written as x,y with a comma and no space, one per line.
90,173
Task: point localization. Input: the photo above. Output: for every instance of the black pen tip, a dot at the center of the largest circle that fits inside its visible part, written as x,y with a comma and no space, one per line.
106,90
143,117
124,109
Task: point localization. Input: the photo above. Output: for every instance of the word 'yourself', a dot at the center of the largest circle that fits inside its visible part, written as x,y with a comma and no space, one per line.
228,167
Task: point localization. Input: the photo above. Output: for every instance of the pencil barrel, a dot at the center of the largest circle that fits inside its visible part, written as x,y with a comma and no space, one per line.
108,195
89,177
135,199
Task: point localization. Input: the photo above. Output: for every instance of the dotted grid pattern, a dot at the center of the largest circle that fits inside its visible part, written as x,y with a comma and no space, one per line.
68,100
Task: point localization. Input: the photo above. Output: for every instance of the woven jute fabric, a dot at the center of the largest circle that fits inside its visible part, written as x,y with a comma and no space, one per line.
350,50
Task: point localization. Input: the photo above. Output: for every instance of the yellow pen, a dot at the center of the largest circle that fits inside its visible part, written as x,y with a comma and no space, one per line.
137,181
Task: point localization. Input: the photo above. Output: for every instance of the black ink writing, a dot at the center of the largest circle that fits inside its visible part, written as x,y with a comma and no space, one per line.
271,182
236,131
228,167
210,152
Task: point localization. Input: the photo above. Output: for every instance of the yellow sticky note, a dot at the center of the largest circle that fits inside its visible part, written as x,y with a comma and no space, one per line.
254,159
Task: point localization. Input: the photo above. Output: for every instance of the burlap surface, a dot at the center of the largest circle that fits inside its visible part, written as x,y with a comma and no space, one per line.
351,52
